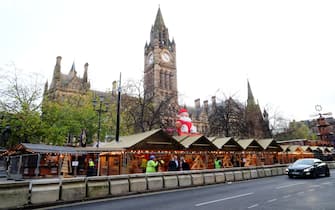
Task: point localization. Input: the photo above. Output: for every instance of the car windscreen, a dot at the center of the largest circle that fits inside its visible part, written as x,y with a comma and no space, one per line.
304,162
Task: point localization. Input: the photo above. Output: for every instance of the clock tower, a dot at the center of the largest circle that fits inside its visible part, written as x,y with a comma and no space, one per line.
160,73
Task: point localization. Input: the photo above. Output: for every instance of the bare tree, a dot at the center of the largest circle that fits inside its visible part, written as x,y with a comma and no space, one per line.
143,112
227,119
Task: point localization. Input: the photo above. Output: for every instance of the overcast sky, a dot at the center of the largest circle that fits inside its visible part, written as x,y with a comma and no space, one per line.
286,49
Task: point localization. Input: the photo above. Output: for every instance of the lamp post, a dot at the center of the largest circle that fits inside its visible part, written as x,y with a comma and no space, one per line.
99,110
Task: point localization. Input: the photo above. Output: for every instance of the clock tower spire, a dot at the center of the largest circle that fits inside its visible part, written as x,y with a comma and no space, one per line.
160,72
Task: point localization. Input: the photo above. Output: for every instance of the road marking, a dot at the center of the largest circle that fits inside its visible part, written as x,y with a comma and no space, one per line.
326,183
310,190
289,185
272,200
300,193
223,199
253,206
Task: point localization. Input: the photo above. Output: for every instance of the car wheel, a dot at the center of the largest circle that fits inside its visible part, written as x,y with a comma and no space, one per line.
327,174
290,176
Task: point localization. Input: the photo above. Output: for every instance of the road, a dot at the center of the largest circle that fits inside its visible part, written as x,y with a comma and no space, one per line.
273,193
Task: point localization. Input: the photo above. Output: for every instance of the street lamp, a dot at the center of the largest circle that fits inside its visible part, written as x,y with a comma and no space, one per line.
99,109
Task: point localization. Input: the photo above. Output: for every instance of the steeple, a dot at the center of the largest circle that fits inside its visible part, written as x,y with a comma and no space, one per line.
159,31
251,100
159,22
73,71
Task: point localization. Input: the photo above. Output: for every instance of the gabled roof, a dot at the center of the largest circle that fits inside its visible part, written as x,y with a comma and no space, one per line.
198,142
43,148
150,140
285,147
226,143
295,148
306,148
250,144
269,144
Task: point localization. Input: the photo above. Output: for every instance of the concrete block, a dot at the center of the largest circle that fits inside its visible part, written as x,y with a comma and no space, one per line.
220,177
185,180
238,175
138,184
73,189
197,179
274,172
261,172
119,185
45,191
155,183
246,174
171,182
229,176
267,172
209,178
280,171
253,174
14,194
97,186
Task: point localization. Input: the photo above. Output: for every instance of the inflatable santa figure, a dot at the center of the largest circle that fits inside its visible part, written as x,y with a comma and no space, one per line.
184,123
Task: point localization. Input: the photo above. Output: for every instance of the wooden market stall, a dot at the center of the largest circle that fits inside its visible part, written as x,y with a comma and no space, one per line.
130,154
272,149
227,148
198,151
39,160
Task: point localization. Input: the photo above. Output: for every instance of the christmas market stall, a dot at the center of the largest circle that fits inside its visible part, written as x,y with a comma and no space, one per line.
228,147
131,153
271,150
253,154
200,152
27,160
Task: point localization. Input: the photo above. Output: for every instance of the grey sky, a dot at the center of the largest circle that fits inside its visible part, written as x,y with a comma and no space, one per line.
286,49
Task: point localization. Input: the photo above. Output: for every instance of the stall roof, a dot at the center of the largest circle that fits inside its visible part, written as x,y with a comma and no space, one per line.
269,144
250,144
226,143
285,147
154,139
198,142
44,148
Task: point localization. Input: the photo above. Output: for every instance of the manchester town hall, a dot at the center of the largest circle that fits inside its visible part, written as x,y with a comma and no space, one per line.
160,83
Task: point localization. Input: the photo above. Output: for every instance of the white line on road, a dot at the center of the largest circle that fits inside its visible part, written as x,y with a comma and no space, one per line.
300,193
326,183
223,199
311,190
253,206
289,185
272,200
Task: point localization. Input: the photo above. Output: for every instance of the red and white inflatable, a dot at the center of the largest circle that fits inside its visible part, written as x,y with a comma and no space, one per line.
184,123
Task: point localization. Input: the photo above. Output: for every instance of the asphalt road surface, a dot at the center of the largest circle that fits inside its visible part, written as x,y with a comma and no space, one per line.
272,193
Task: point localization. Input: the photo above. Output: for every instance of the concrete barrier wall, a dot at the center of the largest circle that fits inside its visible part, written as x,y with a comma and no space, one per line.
49,191
97,186
14,194
44,191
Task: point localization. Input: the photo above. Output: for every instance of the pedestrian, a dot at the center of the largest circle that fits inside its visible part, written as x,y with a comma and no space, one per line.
151,165
90,169
143,163
217,163
173,164
184,164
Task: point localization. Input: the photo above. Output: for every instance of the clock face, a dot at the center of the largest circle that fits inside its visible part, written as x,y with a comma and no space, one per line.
150,58
166,57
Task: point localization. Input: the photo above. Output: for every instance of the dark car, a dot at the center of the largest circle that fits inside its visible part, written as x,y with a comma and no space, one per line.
308,167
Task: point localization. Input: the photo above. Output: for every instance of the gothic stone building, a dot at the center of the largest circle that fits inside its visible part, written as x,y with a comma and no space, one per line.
160,83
